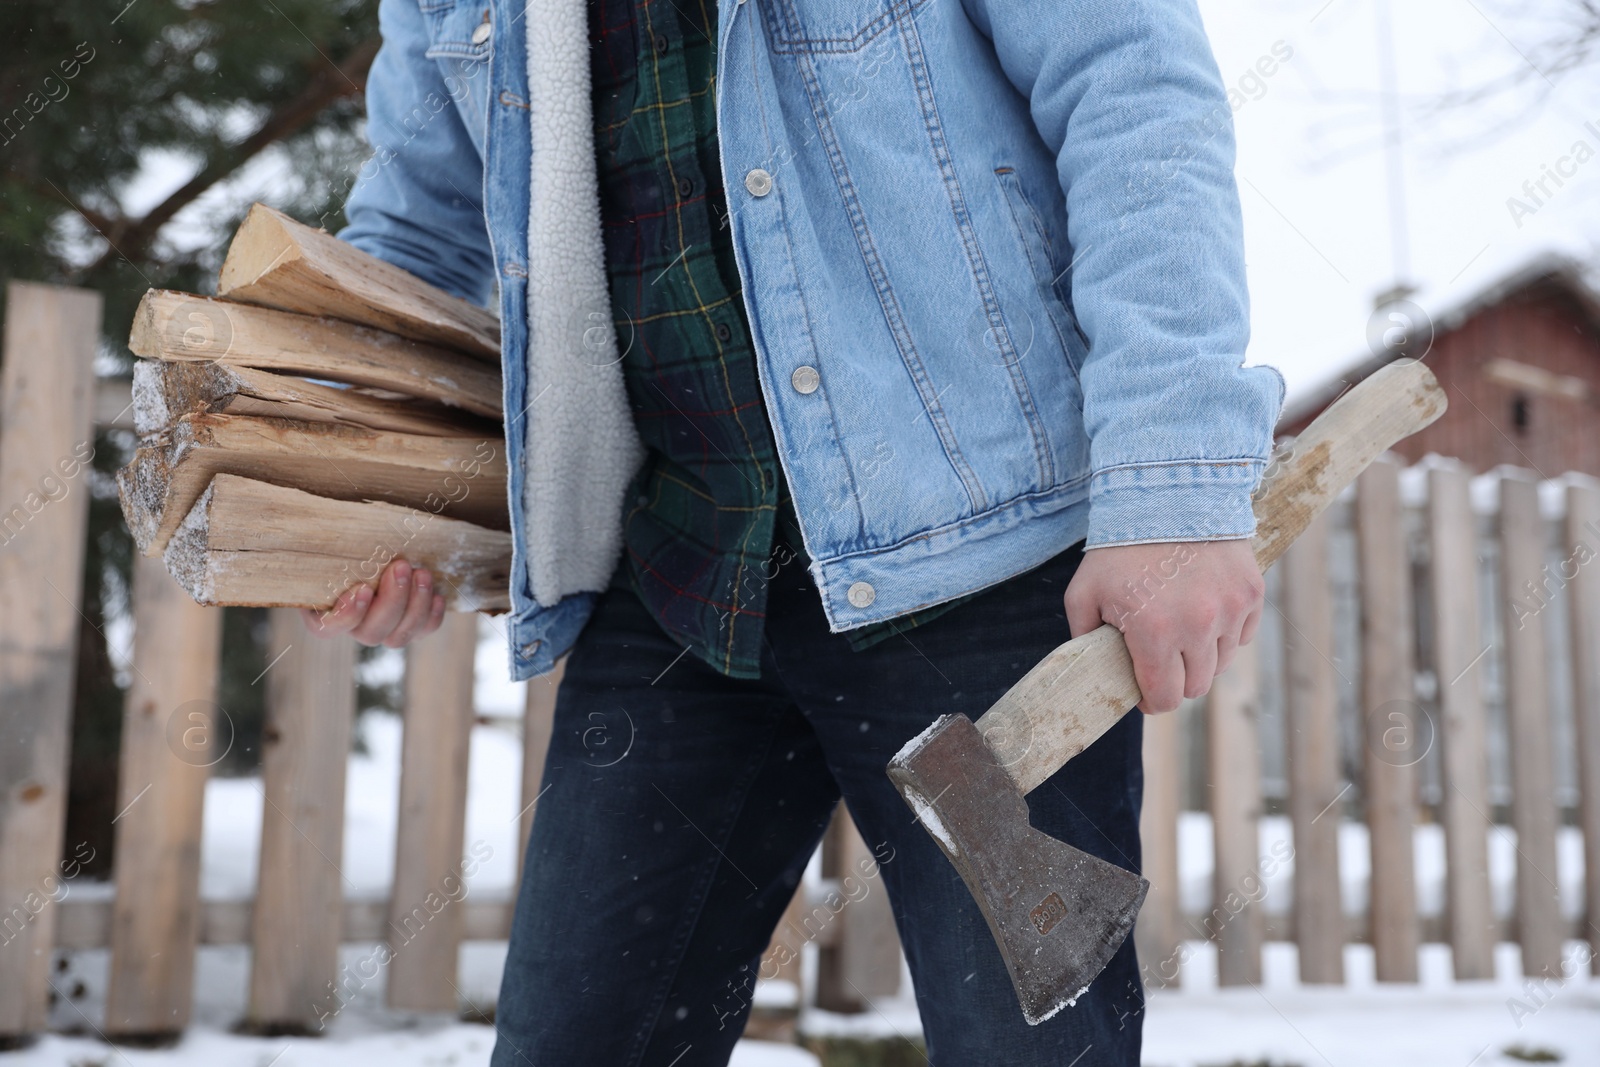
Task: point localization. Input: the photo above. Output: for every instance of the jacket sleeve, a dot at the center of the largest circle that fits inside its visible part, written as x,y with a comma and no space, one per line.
418,201
1127,96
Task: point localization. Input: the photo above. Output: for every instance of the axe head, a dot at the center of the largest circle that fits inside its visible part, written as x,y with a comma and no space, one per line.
1057,913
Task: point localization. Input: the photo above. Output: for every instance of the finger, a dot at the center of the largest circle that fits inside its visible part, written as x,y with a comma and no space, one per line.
1199,668
435,615
1253,620
1083,614
1159,672
345,615
1227,645
394,592
417,609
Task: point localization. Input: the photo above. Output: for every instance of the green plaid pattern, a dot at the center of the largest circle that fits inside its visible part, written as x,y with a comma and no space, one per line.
709,504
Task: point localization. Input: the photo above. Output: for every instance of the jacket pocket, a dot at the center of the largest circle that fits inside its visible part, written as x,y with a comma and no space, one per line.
453,29
1052,281
831,25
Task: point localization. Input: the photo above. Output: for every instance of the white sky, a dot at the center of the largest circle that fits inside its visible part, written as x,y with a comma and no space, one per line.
1312,170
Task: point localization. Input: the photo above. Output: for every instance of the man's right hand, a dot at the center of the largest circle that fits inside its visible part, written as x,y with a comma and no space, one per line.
404,608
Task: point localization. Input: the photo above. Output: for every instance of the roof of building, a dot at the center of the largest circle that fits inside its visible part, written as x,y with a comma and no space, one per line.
1547,268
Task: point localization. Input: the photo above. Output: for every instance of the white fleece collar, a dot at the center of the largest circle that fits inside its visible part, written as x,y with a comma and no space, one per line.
580,444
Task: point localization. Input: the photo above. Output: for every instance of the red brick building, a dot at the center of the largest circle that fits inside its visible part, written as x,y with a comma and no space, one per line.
1520,363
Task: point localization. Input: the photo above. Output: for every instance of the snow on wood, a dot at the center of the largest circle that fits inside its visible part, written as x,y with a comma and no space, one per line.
250,543
164,392
181,327
460,477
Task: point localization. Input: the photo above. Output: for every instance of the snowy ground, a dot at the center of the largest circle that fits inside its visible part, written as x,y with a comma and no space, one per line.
1360,1025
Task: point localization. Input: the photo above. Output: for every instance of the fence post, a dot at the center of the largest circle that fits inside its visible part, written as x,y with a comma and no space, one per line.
869,947
1583,602
1233,719
1158,934
298,915
538,719
1533,804
173,733
1393,722
1458,653
1313,751
46,440
863,960
784,959
425,909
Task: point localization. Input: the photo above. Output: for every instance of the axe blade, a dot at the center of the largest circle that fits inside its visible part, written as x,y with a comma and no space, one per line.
1057,913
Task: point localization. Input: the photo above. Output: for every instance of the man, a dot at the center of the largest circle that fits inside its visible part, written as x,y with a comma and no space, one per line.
967,276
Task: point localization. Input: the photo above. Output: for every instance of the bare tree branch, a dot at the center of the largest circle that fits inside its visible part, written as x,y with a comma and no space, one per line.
327,86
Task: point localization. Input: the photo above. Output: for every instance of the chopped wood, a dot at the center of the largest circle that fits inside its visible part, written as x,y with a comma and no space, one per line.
180,327
462,477
164,392
277,262
250,543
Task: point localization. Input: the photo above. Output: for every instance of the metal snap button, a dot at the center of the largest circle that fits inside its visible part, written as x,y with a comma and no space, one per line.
480,32
861,595
805,379
759,182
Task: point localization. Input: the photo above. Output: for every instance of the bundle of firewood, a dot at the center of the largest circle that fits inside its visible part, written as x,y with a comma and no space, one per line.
325,414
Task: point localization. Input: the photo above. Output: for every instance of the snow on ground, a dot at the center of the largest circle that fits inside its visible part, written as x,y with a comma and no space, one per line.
441,1045
1361,1024
1436,1023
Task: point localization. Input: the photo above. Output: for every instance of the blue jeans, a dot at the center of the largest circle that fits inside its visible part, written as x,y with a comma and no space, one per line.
681,807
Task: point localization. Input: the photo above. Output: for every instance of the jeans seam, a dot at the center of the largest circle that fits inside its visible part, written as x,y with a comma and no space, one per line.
696,908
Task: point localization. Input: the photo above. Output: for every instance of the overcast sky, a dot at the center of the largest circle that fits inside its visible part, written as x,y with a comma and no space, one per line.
1312,168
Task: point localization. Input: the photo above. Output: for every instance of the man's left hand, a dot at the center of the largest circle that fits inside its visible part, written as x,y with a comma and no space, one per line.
1183,608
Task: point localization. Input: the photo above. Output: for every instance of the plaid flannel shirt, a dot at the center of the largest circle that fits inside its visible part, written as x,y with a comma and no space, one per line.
709,516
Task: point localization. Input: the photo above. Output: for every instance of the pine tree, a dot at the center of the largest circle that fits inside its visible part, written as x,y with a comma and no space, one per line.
231,101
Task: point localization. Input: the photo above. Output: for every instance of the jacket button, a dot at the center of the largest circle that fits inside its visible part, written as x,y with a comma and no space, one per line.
480,32
861,595
805,380
685,188
724,333
759,182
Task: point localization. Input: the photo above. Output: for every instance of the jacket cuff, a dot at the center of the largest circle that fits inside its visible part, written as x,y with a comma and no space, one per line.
1201,500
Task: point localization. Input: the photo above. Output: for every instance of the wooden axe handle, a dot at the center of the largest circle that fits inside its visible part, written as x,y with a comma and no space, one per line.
1080,690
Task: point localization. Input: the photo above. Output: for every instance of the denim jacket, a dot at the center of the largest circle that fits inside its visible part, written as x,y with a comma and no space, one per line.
991,255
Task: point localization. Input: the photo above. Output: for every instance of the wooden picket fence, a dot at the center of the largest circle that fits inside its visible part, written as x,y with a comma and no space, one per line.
173,733
1417,572
1420,639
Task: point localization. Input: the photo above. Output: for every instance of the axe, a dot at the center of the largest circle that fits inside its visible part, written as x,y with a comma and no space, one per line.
1059,914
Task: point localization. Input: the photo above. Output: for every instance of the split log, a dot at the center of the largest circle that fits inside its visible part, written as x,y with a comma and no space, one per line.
460,477
277,262
252,544
180,327
165,392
